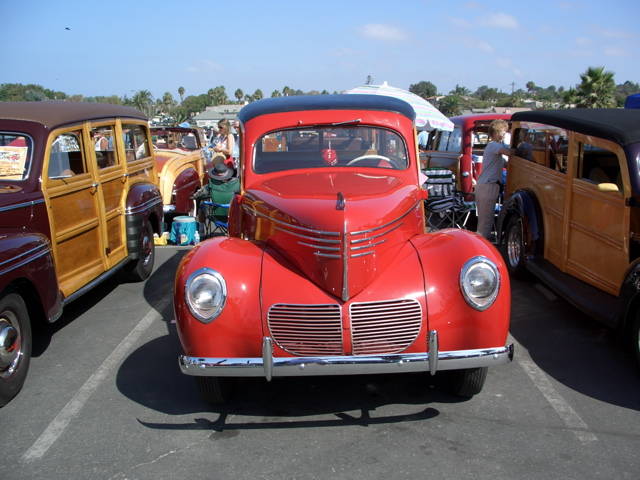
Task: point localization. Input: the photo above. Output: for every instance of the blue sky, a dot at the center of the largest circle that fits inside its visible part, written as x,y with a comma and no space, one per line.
119,47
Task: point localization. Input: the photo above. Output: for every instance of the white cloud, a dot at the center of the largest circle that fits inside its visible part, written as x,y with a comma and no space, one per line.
460,22
378,31
615,52
583,41
204,66
484,46
614,33
499,20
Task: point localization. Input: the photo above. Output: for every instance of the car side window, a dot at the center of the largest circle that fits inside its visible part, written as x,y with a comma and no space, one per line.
15,156
104,146
66,158
598,165
545,145
136,145
442,141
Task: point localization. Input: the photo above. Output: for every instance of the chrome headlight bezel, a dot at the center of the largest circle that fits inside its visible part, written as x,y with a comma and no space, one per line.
479,303
210,275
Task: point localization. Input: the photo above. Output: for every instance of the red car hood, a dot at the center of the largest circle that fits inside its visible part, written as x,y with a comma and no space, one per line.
345,234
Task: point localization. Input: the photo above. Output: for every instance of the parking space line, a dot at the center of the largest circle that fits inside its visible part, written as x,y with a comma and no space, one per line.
59,424
569,416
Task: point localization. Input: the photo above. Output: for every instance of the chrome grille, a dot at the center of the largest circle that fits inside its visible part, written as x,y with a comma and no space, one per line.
384,327
306,330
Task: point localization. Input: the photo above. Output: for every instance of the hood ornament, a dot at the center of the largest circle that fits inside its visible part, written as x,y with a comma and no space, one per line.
341,202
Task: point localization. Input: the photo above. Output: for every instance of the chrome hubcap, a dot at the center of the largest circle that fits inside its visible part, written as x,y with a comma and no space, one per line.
10,344
146,248
514,244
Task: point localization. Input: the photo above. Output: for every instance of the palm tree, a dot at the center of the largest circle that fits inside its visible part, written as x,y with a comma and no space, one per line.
597,89
286,91
460,91
239,94
168,102
257,95
276,93
181,93
143,100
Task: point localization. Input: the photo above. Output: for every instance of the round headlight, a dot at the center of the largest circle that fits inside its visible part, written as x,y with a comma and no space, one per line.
205,294
480,282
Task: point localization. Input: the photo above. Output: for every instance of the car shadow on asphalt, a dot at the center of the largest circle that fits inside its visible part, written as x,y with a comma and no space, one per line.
572,347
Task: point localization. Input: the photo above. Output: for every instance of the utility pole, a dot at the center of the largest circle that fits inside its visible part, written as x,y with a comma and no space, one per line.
513,87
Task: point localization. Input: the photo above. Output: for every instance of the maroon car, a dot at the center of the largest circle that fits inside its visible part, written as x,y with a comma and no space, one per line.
78,202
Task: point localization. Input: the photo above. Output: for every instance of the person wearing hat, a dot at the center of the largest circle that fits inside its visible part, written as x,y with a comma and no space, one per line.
221,188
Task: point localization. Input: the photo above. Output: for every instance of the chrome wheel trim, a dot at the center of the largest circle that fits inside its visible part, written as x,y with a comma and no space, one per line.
147,247
514,244
10,344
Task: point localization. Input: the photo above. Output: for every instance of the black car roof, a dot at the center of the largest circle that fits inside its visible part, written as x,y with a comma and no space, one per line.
619,125
57,113
326,102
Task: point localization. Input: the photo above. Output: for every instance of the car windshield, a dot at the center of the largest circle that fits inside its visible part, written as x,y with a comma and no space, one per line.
330,147
15,156
185,140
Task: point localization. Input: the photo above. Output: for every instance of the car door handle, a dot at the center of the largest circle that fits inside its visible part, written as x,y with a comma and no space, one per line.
124,177
94,188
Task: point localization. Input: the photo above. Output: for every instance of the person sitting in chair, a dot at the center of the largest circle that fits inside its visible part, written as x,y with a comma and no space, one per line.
220,190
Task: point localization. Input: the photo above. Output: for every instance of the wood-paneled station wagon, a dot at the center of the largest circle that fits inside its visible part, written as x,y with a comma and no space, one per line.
327,270
182,163
571,214
78,201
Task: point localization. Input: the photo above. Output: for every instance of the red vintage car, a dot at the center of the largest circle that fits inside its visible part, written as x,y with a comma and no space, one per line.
462,149
328,269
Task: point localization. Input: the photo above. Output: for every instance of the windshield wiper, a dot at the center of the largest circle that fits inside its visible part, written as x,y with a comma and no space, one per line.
348,122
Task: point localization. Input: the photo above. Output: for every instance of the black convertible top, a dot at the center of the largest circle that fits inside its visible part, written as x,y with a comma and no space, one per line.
299,103
616,124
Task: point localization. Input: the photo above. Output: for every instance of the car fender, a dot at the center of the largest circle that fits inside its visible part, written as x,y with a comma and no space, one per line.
143,203
186,183
237,331
523,203
26,266
459,326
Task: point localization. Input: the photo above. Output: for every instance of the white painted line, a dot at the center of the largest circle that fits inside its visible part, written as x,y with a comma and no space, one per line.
73,407
567,414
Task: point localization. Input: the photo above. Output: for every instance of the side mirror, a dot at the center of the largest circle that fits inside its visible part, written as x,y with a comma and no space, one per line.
608,187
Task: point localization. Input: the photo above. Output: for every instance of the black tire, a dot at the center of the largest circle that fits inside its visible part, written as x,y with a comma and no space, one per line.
15,345
468,382
214,390
635,338
514,247
140,268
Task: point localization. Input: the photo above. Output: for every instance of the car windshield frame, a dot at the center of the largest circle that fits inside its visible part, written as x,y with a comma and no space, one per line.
381,148
27,158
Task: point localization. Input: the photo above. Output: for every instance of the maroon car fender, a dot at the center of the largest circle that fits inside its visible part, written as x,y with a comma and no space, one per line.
143,203
185,185
26,266
237,331
460,326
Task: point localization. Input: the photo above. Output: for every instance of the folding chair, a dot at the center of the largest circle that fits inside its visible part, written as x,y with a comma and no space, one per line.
216,218
445,207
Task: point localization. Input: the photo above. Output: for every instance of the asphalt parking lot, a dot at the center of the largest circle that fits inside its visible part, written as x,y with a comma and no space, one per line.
105,399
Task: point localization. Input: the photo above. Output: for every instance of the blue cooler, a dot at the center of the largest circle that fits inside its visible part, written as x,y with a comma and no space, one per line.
183,230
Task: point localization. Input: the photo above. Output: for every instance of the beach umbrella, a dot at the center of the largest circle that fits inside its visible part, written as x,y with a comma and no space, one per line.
428,117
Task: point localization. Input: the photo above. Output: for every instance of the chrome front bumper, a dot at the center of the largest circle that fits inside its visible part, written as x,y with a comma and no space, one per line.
267,366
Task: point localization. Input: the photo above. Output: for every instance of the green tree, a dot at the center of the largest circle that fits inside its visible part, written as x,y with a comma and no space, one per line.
460,91
531,86
181,93
218,96
286,91
451,105
276,93
597,89
257,95
424,89
239,94
143,101
168,103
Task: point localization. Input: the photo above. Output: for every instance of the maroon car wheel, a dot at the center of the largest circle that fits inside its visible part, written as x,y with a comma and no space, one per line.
141,268
15,345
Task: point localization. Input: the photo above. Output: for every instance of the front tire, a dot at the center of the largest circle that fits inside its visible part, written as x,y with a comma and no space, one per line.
468,382
214,390
140,269
15,346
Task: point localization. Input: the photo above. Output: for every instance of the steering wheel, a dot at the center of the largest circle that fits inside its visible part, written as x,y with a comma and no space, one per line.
374,157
